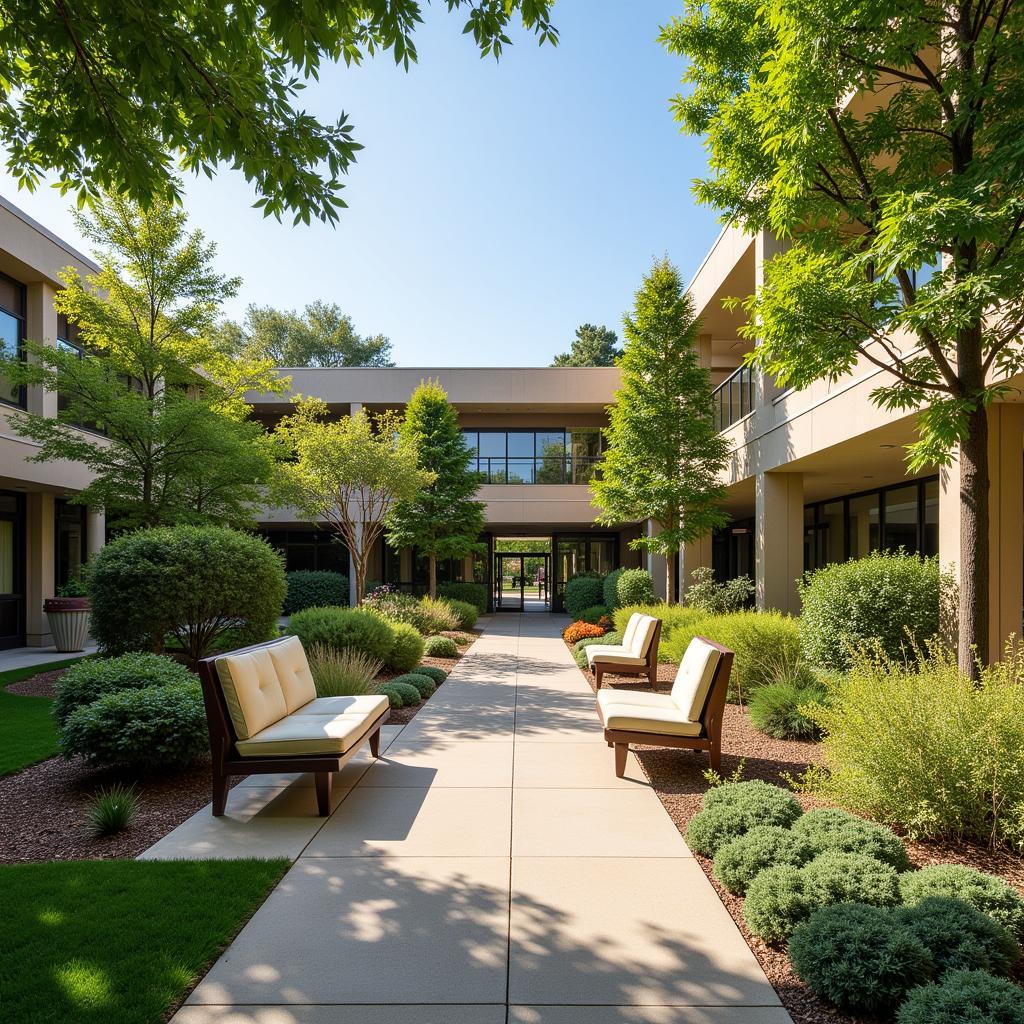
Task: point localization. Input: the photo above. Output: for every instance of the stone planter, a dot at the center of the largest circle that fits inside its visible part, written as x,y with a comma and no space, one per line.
69,622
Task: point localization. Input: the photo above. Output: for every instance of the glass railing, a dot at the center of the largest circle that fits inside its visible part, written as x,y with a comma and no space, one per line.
542,469
733,398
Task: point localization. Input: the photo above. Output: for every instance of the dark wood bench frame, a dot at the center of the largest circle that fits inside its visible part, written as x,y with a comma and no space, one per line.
649,668
227,761
710,738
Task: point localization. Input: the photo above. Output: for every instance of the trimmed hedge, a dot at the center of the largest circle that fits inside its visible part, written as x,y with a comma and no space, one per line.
344,627
437,675
740,861
406,648
733,809
441,647
989,894
610,589
423,685
314,588
399,694
964,997
582,592
831,830
472,593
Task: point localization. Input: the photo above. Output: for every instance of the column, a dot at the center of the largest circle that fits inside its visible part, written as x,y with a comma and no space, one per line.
779,540
41,327
656,564
39,566
696,555
766,248
95,531
1006,514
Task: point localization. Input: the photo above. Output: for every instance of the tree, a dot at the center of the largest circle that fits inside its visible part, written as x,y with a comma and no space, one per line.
443,520
592,346
112,97
322,335
169,437
875,139
350,472
663,455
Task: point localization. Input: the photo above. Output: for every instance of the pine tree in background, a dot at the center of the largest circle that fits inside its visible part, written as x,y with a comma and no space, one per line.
444,520
663,453
592,346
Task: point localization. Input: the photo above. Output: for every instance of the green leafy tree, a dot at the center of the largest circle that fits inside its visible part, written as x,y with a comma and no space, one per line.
112,97
322,335
663,455
169,438
443,520
592,346
874,139
350,472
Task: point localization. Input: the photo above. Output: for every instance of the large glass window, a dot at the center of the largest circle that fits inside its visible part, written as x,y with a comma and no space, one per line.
550,456
864,525
69,521
901,518
310,549
12,334
930,526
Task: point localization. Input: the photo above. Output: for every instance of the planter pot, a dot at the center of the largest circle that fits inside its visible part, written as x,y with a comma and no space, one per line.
69,622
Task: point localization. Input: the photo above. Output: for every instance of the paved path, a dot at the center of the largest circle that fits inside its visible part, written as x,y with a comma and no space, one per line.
489,869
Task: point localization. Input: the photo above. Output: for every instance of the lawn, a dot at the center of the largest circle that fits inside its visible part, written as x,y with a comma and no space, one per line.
27,734
118,942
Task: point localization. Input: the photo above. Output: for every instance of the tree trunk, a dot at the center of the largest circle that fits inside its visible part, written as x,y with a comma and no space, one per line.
670,578
432,585
973,637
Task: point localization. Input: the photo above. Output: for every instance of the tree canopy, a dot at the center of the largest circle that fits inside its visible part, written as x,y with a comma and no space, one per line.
592,346
883,144
663,453
120,96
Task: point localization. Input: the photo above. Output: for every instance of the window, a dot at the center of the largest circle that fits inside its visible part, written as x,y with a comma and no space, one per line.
549,456
12,334
310,549
864,527
901,519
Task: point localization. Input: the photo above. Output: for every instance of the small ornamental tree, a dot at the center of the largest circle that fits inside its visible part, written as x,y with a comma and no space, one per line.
443,520
350,472
592,346
663,454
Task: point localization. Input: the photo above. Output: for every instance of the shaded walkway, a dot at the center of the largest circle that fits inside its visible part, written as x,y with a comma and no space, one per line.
489,868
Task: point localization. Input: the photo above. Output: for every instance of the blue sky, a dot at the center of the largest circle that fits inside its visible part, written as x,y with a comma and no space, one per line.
495,206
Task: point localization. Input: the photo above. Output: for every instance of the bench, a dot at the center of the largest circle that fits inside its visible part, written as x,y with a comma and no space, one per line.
637,655
689,717
264,717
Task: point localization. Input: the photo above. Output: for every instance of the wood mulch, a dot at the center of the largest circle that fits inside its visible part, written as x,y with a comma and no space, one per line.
677,776
40,685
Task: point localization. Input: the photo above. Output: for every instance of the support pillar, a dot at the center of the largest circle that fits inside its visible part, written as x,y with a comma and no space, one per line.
39,566
95,531
766,248
779,540
656,564
1006,513
41,327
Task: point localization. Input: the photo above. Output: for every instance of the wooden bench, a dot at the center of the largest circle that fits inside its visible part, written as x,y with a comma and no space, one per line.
637,655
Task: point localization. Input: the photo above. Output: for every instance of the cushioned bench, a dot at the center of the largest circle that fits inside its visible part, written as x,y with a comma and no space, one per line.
264,716
690,716
637,655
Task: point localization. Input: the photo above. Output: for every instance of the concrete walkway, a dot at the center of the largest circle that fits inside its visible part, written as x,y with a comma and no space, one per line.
490,868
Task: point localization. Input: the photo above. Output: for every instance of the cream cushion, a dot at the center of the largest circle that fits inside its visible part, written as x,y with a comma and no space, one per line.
605,657
664,721
693,680
252,691
306,734
636,699
369,704
293,673
644,635
606,649
630,631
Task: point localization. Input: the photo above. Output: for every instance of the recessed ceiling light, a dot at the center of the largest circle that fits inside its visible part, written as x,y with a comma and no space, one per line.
887,446
868,476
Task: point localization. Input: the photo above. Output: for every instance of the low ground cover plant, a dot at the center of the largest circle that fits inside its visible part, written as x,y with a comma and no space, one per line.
579,649
339,628
438,675
399,694
422,684
831,829
581,631
314,588
733,809
740,861
441,647
342,673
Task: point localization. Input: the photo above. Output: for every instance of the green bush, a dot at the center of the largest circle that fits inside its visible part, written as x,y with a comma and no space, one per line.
342,673
399,695
472,593
601,641
706,594
594,614
739,862
355,628
836,877
673,616
90,679
779,710
310,588
831,830
436,675
709,830
466,612
190,582
423,685
988,893
113,809
438,614
857,958
926,749
761,802
406,648
634,586
582,592
441,647
776,902
964,997
610,589
155,729
888,598
958,936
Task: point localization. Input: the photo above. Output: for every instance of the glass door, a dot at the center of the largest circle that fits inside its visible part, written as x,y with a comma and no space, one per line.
509,583
12,570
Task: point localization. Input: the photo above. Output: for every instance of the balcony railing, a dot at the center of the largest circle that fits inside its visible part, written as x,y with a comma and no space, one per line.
542,469
733,398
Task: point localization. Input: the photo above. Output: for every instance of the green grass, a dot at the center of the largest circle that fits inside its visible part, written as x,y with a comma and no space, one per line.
118,942
27,732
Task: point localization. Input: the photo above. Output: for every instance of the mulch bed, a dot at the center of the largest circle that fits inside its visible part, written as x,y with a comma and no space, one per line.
678,778
37,686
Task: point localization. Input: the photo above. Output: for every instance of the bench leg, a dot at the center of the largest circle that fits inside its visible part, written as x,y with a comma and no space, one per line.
598,672
652,675
375,743
715,756
220,792
323,793
621,753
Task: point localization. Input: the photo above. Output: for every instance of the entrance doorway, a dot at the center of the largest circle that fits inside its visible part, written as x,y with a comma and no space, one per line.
521,579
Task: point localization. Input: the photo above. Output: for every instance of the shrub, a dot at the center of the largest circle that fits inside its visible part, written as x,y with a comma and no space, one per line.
154,729
991,895
437,614
466,612
395,607
835,877
406,649
888,598
472,593
582,592
423,685
709,830
90,679
399,695
964,997
958,936
634,586
610,589
436,675
441,647
965,778
672,617
831,830
858,958
581,631
706,594
190,582
113,809
309,588
779,710
594,614
739,862
589,641
761,802
343,673
776,902
356,628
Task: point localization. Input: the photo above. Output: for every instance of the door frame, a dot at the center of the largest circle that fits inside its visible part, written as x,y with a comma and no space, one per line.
497,576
